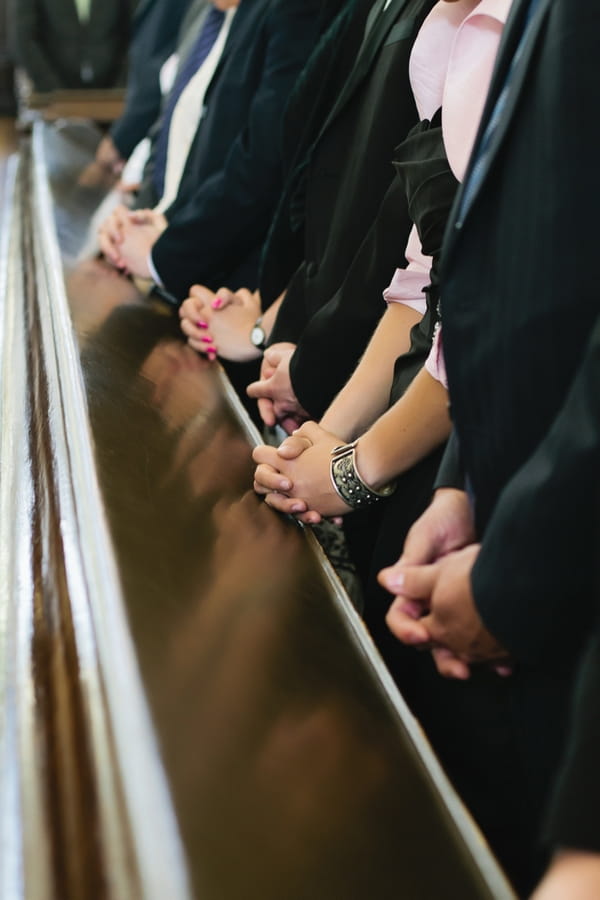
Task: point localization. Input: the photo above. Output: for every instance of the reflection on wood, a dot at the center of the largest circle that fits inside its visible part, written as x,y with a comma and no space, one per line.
97,105
231,730
8,146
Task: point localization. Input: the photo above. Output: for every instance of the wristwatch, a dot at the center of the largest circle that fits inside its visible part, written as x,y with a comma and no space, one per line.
258,336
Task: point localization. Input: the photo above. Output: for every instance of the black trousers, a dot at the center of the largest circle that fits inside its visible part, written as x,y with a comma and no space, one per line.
498,739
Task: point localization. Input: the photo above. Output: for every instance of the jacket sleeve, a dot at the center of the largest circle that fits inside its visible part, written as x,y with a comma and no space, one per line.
227,216
573,817
141,111
451,473
156,40
335,336
310,102
533,580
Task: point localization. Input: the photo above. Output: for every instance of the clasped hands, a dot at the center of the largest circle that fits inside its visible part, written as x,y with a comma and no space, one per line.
126,239
219,324
434,608
294,477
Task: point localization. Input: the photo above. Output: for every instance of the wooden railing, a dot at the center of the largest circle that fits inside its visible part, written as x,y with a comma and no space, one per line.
97,105
189,704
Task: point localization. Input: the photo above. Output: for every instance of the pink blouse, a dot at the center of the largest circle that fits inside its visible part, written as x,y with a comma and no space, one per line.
450,66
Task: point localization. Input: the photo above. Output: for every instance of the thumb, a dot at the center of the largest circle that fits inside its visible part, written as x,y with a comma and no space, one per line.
224,297
259,389
201,293
416,582
272,356
312,432
293,446
244,295
140,217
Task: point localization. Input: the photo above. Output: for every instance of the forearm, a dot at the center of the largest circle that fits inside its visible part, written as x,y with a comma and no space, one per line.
413,427
365,397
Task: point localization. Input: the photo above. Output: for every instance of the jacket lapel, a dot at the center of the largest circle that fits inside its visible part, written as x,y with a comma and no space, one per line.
238,35
508,46
377,29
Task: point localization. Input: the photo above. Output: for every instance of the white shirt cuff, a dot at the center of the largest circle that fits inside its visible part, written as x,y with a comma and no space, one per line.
155,276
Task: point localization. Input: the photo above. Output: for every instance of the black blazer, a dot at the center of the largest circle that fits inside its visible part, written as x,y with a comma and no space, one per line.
519,303
233,175
156,26
334,301
58,51
315,93
573,818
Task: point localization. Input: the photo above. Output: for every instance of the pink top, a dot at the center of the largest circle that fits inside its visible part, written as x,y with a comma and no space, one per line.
450,66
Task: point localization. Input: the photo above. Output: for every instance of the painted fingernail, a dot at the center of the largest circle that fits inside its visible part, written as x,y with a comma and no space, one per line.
201,324
217,303
206,339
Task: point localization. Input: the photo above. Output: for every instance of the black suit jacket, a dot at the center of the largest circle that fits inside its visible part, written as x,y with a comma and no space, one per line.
519,303
58,51
156,26
573,818
315,93
233,175
334,302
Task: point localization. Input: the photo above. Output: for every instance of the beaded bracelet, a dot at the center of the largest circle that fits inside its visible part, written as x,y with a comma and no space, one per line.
347,482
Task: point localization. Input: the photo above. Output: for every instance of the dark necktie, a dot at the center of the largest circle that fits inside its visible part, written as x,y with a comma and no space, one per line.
483,150
200,50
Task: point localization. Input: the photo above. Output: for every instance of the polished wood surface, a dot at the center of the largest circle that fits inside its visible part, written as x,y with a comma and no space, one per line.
292,767
96,105
8,146
8,137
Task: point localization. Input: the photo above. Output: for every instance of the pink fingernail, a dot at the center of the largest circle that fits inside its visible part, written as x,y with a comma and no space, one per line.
217,303
298,507
201,324
212,355
206,339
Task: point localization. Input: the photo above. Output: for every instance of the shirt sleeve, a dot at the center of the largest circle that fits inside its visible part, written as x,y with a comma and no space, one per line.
408,284
153,271
435,363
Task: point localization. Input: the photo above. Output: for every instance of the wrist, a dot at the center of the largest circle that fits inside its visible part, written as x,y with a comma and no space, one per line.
371,464
330,424
258,336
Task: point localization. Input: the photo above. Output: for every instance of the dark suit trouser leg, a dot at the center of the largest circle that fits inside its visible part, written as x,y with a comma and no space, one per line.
498,739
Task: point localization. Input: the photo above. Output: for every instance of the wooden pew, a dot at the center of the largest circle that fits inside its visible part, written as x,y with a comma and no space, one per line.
104,105
190,705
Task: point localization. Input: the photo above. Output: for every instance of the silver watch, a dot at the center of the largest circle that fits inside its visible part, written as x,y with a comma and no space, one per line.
258,336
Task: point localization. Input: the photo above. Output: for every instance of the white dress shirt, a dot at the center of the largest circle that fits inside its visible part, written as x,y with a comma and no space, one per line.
188,115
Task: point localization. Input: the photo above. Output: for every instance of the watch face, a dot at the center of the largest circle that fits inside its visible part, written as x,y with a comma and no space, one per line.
257,336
